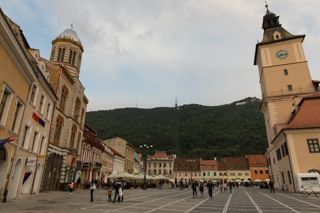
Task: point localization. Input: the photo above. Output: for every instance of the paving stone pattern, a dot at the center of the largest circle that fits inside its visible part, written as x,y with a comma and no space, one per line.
242,200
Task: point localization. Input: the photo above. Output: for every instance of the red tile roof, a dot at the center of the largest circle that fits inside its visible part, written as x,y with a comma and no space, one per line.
222,165
160,155
181,164
237,163
209,165
308,115
257,161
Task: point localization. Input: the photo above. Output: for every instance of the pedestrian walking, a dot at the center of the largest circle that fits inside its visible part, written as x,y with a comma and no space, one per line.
225,187
194,188
160,185
230,186
71,187
201,189
110,189
271,186
117,185
122,188
221,186
92,188
210,186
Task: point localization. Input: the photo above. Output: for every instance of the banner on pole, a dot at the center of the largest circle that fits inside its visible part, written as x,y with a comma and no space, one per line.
77,176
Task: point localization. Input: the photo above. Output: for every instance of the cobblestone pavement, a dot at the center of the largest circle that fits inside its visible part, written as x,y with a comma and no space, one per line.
242,200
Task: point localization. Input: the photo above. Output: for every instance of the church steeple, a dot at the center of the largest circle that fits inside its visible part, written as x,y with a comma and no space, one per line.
270,20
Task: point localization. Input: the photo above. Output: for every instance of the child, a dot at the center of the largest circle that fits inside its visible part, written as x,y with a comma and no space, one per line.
201,189
110,194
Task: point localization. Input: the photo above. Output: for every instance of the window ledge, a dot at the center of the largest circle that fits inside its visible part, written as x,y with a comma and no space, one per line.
13,133
47,119
40,113
24,149
2,126
32,104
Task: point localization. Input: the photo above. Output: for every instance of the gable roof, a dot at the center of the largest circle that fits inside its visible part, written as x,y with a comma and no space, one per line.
308,114
183,164
237,163
257,161
222,165
116,153
209,165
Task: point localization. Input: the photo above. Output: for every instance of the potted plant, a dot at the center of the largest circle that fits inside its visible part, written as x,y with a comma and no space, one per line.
138,184
132,188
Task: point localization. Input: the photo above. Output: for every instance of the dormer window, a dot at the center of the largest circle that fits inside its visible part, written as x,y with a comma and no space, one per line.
276,35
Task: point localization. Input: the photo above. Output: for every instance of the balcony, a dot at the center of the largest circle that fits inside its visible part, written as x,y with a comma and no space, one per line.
287,92
99,165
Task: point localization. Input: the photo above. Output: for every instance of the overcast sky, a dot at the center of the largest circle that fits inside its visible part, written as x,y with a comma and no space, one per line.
148,52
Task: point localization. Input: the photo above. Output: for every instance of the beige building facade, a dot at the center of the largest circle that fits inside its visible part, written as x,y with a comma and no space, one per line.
16,77
125,149
161,164
285,82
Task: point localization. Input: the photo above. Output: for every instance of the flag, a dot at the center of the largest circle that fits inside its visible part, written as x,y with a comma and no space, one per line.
7,140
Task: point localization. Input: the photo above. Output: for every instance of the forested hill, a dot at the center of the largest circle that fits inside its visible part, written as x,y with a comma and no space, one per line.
190,131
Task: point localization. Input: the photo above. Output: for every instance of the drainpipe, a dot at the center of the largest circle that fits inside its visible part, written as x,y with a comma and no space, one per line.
294,185
5,194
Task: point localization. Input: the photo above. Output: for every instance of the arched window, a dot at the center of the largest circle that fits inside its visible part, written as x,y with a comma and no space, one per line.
64,95
81,119
70,56
73,134
59,54
62,55
77,109
57,133
74,57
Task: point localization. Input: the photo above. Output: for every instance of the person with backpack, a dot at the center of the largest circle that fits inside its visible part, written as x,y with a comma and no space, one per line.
117,186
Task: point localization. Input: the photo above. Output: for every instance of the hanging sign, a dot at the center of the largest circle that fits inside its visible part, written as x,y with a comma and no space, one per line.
77,176
32,161
38,119
41,156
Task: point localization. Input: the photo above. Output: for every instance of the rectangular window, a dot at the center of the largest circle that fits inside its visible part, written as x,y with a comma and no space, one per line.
274,161
289,87
34,140
239,174
3,103
24,139
159,171
164,165
164,172
284,182
176,174
208,173
283,151
41,103
154,171
255,172
204,173
286,148
33,93
267,172
232,174
285,71
42,145
313,145
289,177
215,174
48,110
246,174
16,115
154,165
180,174
186,174
261,172
159,164
195,174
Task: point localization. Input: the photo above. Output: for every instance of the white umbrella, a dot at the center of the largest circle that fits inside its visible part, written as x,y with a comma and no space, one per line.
246,181
159,177
267,180
141,177
258,180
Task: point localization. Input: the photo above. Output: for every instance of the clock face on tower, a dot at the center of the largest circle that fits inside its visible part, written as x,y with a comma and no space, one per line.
282,54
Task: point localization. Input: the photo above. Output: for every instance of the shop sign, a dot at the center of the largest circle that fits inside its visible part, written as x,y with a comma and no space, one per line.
77,176
38,119
2,154
32,161
41,156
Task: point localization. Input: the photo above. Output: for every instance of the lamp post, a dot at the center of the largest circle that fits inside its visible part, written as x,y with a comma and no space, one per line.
144,147
191,160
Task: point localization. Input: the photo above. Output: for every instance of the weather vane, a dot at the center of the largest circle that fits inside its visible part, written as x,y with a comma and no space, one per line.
266,4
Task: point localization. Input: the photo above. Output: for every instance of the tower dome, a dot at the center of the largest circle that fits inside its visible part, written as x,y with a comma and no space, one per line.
70,33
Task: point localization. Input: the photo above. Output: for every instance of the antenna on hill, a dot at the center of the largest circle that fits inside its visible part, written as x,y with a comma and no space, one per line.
176,103
58,24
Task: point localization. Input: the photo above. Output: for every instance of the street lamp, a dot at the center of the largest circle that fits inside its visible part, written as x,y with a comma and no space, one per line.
191,160
144,147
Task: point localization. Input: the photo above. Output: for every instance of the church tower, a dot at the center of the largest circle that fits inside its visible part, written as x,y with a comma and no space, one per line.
67,50
283,73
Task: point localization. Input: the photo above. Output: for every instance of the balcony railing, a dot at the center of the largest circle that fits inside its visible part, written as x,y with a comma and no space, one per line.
287,92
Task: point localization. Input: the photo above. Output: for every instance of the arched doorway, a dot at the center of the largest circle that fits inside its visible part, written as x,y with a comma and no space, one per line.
15,179
36,179
3,167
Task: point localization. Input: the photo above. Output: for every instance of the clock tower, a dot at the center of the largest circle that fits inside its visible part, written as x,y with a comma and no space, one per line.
283,73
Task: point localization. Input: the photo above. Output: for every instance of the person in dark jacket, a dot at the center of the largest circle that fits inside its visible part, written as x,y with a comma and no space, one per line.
117,186
201,187
194,188
122,187
210,187
271,186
